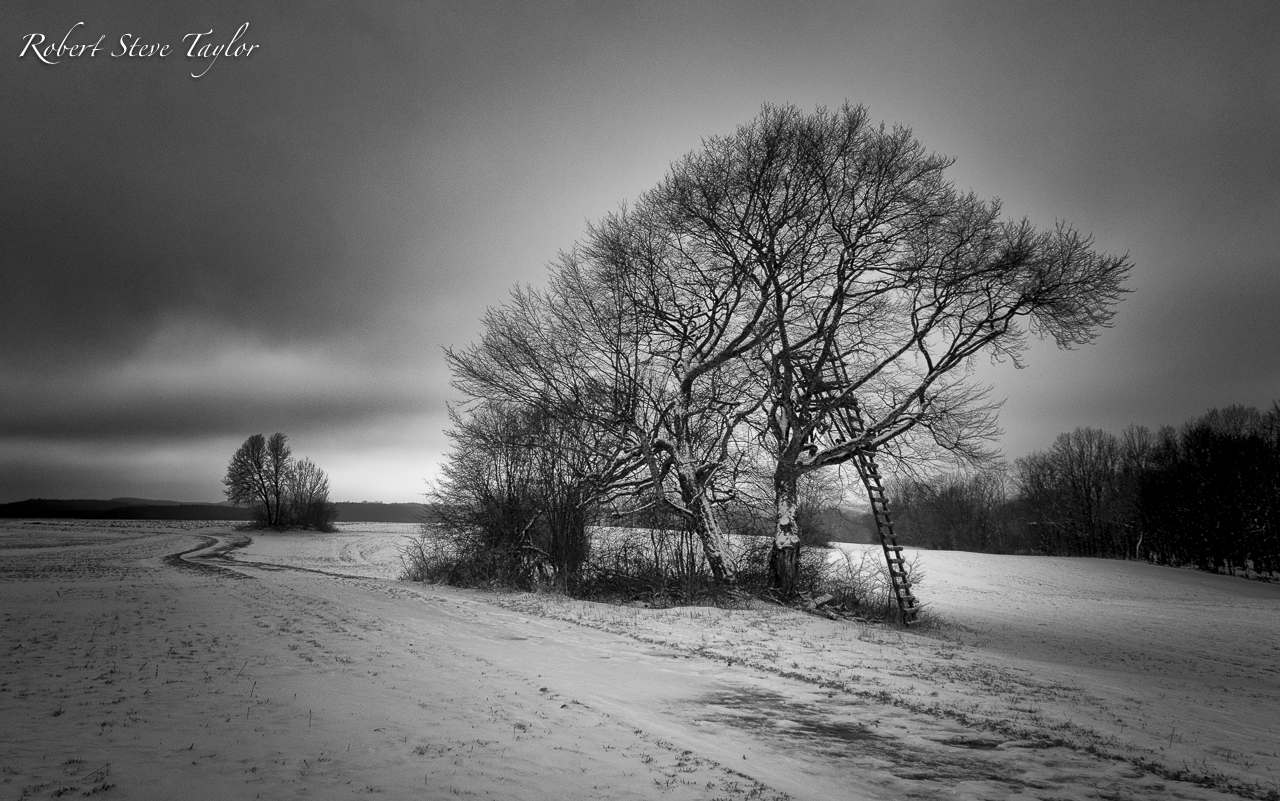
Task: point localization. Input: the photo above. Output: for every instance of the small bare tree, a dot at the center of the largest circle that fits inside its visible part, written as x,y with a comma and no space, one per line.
628,343
510,507
308,496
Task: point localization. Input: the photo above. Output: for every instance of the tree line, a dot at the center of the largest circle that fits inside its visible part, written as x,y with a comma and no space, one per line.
281,491
1206,494
804,290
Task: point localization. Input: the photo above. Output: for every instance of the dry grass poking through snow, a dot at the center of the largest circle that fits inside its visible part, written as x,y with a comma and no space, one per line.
296,666
1173,672
125,675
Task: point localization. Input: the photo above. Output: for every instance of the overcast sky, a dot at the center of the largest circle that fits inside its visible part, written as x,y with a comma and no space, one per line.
287,242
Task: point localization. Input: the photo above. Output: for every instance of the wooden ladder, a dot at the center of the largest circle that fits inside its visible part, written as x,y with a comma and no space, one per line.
898,577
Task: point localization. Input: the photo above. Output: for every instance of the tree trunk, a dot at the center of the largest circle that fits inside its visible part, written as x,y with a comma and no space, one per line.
715,545
705,525
784,557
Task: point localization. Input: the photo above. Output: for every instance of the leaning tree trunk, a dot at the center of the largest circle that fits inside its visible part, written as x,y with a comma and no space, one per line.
784,556
715,545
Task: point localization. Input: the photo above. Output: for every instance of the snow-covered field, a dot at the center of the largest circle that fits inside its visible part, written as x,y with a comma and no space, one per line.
297,666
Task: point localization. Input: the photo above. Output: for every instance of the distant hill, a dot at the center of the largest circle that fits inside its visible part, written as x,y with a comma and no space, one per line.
179,511
122,509
150,509
154,502
49,507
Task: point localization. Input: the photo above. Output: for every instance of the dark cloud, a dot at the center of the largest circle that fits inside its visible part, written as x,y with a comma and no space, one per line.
157,408
286,242
134,192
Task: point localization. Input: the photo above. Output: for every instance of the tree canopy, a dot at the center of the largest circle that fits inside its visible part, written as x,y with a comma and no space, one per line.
802,291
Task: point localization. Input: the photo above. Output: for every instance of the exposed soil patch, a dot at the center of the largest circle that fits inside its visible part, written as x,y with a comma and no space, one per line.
774,716
770,714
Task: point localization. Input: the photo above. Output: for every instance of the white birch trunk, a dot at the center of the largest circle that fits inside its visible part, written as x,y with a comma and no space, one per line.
784,557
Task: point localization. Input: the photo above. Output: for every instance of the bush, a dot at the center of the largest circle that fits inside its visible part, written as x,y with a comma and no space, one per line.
861,584
444,555
428,557
660,567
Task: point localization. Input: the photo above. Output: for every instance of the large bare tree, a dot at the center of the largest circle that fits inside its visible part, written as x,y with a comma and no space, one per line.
882,283
813,278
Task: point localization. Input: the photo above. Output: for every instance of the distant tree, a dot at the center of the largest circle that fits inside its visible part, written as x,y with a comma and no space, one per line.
308,497
278,466
1206,494
247,482
1211,495
964,511
264,476
1072,493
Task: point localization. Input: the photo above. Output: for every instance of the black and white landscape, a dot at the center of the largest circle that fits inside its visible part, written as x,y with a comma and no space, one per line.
635,258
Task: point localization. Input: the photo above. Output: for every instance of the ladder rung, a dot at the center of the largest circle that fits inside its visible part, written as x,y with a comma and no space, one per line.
884,525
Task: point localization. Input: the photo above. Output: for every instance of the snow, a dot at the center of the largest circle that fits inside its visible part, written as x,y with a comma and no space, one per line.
297,666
